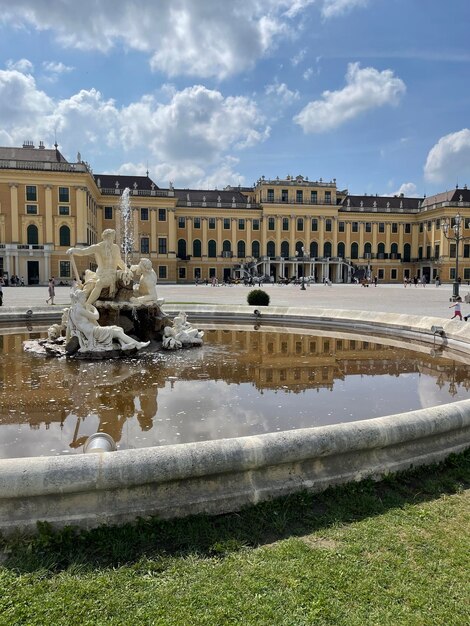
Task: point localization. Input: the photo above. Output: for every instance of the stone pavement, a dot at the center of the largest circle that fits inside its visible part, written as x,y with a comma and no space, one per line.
429,301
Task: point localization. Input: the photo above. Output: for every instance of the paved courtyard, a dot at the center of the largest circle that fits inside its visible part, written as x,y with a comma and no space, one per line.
430,300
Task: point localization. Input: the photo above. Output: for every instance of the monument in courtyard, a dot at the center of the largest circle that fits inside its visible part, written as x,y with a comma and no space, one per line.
114,310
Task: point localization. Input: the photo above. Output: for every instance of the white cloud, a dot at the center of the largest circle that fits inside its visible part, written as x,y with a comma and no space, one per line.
55,69
308,73
448,160
22,65
193,133
181,37
336,8
365,89
299,57
282,93
409,190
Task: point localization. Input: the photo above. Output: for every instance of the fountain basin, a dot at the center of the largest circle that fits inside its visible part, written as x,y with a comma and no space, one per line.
224,475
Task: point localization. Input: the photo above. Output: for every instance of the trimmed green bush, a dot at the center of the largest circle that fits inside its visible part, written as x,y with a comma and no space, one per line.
258,297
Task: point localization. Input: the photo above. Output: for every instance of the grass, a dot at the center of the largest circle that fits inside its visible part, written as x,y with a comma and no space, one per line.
388,553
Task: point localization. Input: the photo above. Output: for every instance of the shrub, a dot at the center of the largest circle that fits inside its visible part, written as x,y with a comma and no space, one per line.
258,297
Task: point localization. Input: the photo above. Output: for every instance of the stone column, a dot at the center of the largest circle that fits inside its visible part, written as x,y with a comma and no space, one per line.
171,248
15,236
49,218
153,229
81,216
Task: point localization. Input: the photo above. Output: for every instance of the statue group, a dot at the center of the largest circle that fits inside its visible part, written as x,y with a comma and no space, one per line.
115,291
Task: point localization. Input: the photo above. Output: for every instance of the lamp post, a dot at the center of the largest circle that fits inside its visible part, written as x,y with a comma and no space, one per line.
453,232
303,269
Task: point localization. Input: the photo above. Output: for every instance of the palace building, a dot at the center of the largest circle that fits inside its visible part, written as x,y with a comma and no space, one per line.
278,229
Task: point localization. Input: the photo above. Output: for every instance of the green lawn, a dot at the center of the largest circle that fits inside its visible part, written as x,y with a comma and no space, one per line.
388,553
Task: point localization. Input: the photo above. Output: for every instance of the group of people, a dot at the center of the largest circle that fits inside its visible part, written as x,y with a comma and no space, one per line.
416,281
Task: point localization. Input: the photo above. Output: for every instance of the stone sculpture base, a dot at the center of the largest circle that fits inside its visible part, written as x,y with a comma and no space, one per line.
146,322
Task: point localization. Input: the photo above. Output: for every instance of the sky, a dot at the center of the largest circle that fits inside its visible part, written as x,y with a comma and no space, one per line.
210,93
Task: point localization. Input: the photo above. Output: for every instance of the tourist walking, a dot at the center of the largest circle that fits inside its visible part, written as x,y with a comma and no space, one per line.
457,309
51,289
424,280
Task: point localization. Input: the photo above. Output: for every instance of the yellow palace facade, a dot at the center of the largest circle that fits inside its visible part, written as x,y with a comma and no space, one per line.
278,229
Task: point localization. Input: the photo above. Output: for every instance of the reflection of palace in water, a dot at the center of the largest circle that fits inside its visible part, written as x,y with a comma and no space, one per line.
36,391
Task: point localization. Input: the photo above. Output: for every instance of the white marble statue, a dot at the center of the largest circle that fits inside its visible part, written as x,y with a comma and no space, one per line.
110,268
146,290
181,334
83,324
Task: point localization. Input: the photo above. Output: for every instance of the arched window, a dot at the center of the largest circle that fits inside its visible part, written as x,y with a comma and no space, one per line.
381,250
181,248
327,249
298,248
212,249
354,251
314,249
341,250
226,246
241,253
394,248
407,252
255,249
197,248
64,236
285,249
32,235
367,249
271,249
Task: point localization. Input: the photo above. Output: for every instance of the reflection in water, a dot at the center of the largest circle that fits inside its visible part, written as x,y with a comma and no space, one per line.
240,382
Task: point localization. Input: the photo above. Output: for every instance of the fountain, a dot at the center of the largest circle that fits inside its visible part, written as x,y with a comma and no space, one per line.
124,300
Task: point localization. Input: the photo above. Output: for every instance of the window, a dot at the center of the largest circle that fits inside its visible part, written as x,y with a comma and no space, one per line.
197,222
313,249
314,224
436,251
299,196
466,273
197,248
212,249
394,227
212,223
285,249
145,245
285,223
182,272
380,274
300,223
255,249
354,251
64,269
144,215
270,195
64,195
355,227
407,229
162,249
181,254
271,249
271,223
368,227
284,195
341,227
381,227
341,249
32,235
367,250
466,251
226,223
393,274
421,227
327,197
64,210
241,224
162,271
328,226
31,193
241,254
162,218
64,236
327,249
438,224
31,209
108,212
212,272
452,273
255,224
181,222
197,273
313,197
452,250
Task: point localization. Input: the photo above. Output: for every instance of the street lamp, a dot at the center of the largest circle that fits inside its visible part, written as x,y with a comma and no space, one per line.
453,232
303,269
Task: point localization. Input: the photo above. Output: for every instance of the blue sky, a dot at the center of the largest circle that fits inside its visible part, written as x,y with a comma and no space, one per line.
205,93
